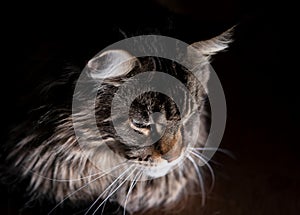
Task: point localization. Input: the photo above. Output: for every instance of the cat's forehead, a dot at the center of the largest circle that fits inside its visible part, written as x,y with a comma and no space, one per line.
150,101
157,64
153,102
150,64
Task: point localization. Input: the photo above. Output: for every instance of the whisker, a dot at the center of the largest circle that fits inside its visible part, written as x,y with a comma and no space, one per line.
69,195
209,167
209,159
102,211
79,212
200,179
107,189
133,183
180,166
69,180
224,151
115,189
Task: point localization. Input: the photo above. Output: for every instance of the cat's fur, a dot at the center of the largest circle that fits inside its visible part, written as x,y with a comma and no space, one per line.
45,148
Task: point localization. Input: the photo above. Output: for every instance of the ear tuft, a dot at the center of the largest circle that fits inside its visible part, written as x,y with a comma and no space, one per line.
111,64
214,45
199,54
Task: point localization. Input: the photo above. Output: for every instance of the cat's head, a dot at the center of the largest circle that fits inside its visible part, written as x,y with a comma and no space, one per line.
151,132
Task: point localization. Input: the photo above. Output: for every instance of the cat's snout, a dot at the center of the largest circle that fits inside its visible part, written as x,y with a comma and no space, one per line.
142,154
168,148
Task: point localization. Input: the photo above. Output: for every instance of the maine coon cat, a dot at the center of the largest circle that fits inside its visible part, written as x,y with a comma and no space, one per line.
138,175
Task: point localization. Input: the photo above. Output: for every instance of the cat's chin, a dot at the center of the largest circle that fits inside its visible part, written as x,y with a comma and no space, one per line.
157,172
162,168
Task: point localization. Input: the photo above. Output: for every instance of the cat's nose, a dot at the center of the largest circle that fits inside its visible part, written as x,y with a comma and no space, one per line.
169,146
157,132
157,124
158,128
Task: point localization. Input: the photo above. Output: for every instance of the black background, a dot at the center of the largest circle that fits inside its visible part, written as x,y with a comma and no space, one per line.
256,72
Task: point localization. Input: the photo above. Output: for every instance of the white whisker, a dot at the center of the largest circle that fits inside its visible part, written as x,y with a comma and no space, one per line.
79,212
107,189
224,151
208,166
180,166
69,195
114,189
103,207
200,179
133,183
68,180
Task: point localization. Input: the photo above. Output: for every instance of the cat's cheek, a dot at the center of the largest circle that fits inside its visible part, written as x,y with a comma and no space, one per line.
175,151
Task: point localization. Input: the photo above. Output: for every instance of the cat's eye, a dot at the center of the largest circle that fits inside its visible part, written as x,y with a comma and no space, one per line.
139,124
140,127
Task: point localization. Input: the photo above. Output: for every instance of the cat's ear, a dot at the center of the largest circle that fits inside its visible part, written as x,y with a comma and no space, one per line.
199,54
111,64
213,45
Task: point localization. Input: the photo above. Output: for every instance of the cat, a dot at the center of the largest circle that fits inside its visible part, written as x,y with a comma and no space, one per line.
138,174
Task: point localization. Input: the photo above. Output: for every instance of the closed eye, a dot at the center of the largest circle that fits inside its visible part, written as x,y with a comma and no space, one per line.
140,127
139,124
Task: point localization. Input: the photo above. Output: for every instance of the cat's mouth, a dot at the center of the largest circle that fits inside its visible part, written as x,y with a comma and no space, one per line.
157,159
159,168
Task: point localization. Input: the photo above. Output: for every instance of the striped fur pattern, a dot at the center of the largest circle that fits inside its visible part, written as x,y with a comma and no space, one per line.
46,151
